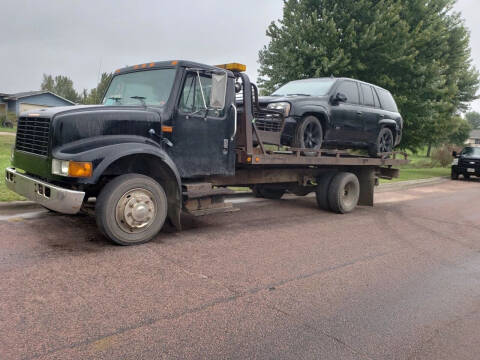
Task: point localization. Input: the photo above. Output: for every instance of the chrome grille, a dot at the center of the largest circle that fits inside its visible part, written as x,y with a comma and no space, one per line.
269,122
32,135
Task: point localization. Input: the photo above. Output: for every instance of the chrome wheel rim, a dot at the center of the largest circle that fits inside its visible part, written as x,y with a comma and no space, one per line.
136,210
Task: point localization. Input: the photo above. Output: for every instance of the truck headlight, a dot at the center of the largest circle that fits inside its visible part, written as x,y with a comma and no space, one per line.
455,161
280,106
71,168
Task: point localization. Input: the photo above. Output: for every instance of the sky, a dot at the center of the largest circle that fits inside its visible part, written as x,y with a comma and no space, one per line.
81,39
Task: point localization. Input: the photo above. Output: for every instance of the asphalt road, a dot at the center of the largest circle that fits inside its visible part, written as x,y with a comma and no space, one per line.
276,280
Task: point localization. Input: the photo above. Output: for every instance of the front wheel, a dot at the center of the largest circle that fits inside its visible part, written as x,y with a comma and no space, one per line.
454,174
343,193
131,209
309,134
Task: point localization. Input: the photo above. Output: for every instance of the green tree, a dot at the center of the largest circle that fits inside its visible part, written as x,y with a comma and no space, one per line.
473,118
60,85
417,49
460,132
95,95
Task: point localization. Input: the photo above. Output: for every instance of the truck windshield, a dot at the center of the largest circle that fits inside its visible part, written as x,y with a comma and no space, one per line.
309,87
150,87
471,151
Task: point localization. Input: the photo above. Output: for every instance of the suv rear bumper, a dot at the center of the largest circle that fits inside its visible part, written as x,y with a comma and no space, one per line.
53,197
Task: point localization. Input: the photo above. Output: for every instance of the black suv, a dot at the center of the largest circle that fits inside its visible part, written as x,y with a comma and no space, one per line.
337,113
467,163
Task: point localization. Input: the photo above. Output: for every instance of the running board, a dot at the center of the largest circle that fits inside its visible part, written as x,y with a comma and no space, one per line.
202,199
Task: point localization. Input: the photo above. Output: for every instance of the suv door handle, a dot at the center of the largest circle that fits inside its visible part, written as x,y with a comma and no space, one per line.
359,112
382,115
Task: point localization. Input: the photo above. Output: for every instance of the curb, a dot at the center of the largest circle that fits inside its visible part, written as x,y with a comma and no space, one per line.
401,185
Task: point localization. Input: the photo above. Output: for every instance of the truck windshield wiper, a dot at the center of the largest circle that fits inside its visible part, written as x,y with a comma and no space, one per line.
116,98
140,98
299,95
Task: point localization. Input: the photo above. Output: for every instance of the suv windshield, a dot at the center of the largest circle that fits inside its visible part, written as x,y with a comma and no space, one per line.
151,87
310,87
471,151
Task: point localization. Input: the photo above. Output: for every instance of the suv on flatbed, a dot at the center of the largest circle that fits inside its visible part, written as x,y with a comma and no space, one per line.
336,113
467,163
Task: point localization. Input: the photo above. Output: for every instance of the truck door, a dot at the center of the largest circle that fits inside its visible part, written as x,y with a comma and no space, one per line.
202,143
346,116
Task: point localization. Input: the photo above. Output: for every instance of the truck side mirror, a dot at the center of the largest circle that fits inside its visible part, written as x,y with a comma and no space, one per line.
454,153
340,97
219,90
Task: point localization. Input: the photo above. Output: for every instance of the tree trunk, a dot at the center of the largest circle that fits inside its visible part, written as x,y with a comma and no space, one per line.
429,150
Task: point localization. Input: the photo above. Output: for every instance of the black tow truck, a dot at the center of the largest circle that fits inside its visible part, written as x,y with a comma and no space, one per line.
171,137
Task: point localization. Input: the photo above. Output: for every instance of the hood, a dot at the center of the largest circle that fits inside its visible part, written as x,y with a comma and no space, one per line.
72,123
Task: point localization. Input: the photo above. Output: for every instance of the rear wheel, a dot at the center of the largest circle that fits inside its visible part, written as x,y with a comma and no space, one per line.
131,209
323,189
309,134
466,176
343,193
384,143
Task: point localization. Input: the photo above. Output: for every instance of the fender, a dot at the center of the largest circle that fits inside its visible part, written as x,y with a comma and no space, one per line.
103,151
317,109
389,122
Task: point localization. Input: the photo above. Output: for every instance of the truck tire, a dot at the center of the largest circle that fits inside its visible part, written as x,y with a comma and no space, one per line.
384,143
454,174
309,134
343,193
322,190
131,209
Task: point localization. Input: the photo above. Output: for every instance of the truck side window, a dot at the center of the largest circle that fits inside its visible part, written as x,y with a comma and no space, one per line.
191,99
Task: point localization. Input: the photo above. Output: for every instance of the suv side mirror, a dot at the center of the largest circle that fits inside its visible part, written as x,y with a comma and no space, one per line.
340,97
219,90
454,153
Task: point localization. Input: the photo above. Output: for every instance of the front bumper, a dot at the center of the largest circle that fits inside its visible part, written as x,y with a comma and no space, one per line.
55,198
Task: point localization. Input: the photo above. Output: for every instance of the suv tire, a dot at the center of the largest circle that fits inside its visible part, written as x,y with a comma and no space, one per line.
384,142
308,134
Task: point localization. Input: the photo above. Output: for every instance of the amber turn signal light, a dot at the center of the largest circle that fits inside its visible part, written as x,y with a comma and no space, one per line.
79,169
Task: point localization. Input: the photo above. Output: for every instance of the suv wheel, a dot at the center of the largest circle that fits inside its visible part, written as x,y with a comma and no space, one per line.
309,134
384,143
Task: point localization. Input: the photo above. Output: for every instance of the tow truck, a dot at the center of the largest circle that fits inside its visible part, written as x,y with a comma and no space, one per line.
172,137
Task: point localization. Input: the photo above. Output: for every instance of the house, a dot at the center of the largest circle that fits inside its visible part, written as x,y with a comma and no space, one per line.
474,138
24,101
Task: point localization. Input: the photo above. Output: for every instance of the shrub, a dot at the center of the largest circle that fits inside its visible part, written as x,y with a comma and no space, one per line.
443,155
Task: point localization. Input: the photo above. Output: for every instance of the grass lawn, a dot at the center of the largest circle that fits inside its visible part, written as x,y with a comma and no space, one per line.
419,173
10,130
6,143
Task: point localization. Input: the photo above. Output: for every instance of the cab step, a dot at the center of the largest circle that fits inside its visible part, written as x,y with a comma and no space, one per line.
203,199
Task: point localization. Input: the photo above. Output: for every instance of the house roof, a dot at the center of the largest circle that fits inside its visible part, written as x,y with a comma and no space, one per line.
475,134
25,94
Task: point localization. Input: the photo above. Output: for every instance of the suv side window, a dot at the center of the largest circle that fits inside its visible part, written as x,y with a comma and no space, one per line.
386,100
375,97
191,99
367,95
350,89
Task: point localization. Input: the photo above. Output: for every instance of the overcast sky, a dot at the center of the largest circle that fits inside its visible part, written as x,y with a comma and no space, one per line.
82,38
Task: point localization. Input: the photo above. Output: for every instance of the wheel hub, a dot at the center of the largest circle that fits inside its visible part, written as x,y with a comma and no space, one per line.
135,210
